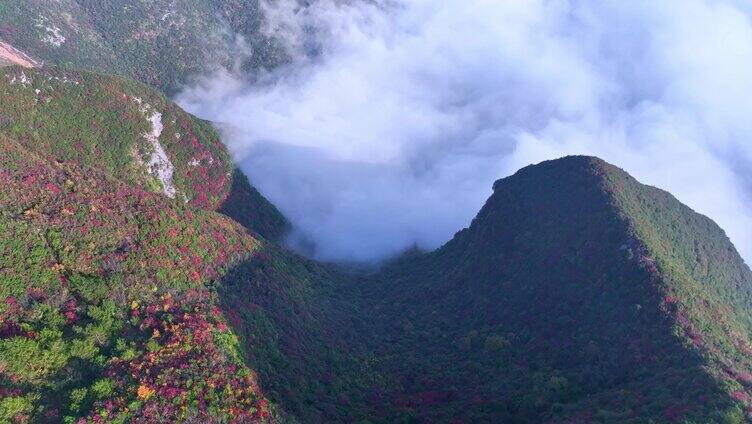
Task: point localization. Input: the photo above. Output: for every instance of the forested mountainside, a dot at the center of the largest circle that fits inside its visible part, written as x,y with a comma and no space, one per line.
126,295
122,305
142,279
158,42
576,295
131,133
107,315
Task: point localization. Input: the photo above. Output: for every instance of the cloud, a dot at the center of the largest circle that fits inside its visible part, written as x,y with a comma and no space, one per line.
394,118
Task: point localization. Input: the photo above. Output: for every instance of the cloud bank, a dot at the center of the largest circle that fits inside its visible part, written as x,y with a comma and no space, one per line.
394,118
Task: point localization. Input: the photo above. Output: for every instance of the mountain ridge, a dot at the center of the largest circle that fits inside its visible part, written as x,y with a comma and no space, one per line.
132,247
67,114
161,43
519,255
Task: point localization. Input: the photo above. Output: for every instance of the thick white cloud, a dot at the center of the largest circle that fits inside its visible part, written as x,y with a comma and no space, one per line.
396,116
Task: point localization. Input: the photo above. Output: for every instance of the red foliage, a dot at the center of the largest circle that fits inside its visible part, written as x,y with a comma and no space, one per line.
741,396
187,369
52,188
29,180
8,31
675,412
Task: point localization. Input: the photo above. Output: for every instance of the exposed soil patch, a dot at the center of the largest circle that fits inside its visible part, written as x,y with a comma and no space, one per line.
13,55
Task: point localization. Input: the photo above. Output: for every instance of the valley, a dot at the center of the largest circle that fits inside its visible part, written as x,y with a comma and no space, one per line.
145,279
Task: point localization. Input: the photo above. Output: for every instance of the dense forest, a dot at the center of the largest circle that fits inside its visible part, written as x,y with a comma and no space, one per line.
144,279
576,295
161,43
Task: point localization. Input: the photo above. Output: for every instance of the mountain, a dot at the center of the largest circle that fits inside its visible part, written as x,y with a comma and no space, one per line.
576,295
127,292
133,134
123,305
142,280
104,310
161,42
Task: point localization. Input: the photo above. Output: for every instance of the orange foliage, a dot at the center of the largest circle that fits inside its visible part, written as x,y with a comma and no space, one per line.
144,392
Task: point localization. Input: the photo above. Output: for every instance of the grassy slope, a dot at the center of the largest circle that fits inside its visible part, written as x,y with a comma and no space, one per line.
550,308
101,121
161,42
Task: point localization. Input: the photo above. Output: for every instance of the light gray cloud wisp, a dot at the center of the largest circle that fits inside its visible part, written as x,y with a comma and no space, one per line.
396,116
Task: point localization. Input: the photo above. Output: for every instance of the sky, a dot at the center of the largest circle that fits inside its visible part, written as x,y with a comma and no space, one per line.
394,117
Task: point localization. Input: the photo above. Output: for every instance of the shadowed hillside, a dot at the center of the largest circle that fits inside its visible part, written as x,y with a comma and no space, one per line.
576,295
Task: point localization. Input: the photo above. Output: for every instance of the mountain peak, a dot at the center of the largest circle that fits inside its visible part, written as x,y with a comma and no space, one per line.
571,274
574,169
142,278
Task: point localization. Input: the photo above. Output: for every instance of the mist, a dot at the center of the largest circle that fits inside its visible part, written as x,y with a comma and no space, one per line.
391,122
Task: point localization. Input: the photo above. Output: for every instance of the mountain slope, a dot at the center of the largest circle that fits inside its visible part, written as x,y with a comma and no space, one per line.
140,282
137,308
106,312
133,134
160,43
121,305
98,237
576,295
